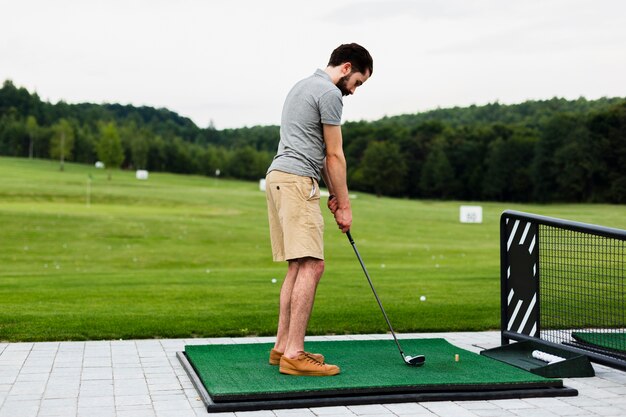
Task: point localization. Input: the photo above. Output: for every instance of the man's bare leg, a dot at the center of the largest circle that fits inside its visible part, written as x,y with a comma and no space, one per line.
285,306
309,272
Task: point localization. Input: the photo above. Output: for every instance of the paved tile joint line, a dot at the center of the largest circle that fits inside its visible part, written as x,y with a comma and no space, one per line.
143,378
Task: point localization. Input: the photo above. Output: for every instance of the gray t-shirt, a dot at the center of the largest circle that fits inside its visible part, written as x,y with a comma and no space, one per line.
311,103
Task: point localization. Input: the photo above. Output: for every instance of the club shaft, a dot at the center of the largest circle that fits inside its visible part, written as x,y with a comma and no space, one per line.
380,304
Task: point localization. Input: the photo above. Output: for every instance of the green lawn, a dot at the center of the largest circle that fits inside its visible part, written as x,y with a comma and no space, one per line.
182,256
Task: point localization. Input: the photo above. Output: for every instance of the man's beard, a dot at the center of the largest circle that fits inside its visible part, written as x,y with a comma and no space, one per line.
342,84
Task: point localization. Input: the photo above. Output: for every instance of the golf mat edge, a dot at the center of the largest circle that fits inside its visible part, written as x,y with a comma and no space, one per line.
195,379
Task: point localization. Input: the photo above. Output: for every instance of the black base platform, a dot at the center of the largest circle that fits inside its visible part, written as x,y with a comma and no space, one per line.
519,354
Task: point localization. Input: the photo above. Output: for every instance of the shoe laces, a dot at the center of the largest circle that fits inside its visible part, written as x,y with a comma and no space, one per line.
312,359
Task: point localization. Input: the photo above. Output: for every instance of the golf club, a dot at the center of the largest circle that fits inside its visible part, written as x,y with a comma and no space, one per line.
409,360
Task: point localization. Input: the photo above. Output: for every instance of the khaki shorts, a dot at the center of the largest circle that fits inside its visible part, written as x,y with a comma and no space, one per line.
295,217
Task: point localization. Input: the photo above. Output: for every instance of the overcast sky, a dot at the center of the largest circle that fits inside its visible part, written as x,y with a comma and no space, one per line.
232,62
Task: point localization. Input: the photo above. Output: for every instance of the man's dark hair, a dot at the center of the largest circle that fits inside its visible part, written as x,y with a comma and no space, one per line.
355,54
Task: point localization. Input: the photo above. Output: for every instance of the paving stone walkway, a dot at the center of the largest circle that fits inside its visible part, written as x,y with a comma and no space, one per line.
143,378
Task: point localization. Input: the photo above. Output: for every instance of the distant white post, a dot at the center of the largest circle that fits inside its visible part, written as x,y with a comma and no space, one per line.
217,175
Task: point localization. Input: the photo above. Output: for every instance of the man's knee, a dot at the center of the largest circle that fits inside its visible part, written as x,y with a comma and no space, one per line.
319,267
315,266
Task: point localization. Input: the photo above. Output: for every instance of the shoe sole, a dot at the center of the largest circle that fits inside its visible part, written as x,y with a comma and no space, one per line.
291,371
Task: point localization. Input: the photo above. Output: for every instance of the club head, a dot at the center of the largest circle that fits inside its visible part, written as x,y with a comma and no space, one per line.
415,360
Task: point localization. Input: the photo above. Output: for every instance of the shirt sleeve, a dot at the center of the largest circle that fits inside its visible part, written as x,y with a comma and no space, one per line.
331,107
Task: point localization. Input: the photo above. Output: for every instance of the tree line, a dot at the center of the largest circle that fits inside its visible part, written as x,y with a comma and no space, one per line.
536,151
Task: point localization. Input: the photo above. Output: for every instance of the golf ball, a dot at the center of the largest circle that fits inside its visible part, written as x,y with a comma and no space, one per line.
273,280
423,298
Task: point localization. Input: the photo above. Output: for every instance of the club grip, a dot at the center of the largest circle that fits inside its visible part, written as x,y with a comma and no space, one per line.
350,237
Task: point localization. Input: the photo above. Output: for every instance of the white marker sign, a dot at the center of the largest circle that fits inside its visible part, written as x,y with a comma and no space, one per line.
471,214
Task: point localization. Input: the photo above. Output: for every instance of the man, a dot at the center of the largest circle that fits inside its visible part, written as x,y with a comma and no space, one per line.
310,146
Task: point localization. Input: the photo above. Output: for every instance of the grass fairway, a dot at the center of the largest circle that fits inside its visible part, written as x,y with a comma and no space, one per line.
184,256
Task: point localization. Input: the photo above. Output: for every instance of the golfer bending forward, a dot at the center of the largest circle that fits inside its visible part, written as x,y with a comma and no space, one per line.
310,145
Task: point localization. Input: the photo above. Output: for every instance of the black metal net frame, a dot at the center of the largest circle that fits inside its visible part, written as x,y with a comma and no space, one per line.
573,281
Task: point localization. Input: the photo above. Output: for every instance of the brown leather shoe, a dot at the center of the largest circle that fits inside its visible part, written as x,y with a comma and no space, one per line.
306,365
276,355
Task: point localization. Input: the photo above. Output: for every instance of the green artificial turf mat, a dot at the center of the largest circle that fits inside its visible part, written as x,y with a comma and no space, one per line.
235,371
612,341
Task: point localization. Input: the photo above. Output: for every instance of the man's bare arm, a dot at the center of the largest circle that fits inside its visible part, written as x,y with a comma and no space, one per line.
335,171
332,201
